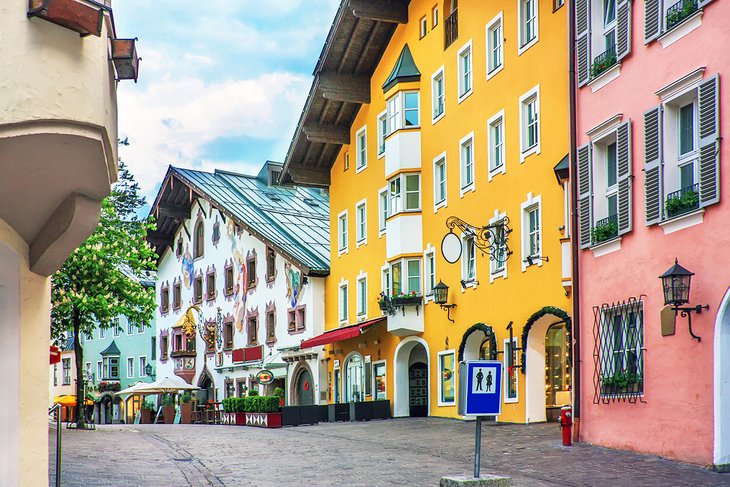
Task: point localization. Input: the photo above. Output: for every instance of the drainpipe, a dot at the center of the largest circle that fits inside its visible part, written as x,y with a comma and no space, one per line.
575,247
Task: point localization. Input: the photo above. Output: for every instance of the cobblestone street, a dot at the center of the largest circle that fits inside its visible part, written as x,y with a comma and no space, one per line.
402,452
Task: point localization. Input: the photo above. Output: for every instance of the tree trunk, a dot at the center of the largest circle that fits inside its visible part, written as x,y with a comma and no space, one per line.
80,390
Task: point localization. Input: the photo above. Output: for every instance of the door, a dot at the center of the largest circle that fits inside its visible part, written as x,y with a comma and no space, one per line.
418,390
305,392
337,386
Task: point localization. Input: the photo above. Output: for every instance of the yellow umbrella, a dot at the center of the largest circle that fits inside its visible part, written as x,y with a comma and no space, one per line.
69,400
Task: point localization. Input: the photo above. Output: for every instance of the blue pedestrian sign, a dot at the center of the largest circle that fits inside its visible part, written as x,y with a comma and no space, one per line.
480,388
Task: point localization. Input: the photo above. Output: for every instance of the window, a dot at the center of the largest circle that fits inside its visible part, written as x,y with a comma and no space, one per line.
465,71
228,334
87,372
198,289
382,210
217,224
469,261
402,111
252,330
301,317
447,378
408,283
530,123
292,320
495,38
251,270
130,367
557,4
368,384
179,248
531,223
130,328
495,131
423,23
199,239
66,372
466,151
111,368
99,369
603,36
164,347
164,300
412,184
343,302
379,380
687,145
361,144
620,349
438,99
498,262
270,327
270,264
382,131
153,348
143,366
117,329
528,24
533,229
361,222
102,333
347,161
510,379
342,232
439,181
429,259
229,279
210,285
55,375
362,297
434,16
385,283
396,276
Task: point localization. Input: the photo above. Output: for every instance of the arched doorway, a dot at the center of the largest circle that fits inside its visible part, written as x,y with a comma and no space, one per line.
478,343
303,387
207,387
547,358
721,454
354,378
412,378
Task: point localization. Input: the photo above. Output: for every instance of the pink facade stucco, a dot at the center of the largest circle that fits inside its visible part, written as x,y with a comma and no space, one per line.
677,417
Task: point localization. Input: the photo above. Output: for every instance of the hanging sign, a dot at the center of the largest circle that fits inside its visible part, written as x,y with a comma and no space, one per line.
264,377
451,248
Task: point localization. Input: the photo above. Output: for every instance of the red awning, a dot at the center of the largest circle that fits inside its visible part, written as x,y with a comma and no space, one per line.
340,334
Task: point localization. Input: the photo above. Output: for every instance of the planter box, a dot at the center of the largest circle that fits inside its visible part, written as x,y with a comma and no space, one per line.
240,419
77,15
168,412
263,420
186,413
323,413
291,416
146,416
408,301
381,409
361,411
338,412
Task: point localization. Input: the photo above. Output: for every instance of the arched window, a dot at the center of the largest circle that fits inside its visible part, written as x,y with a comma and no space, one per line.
485,350
199,245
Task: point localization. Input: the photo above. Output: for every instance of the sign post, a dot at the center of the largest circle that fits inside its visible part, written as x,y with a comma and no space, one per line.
480,394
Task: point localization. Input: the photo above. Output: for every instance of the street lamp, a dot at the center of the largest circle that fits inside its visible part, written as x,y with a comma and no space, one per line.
441,297
148,371
676,285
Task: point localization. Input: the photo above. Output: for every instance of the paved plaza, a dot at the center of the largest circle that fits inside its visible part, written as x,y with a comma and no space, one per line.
402,452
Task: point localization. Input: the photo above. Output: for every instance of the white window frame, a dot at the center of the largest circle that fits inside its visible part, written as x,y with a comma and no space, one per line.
599,159
494,271
142,372
429,271
385,284
438,75
529,204
463,73
343,310
521,26
99,370
362,304
422,27
492,25
469,282
102,333
116,329
404,285
402,194
505,360
495,120
396,111
361,227
440,381
525,99
342,233
385,392
382,132
443,203
361,149
434,16
130,328
130,371
465,188
382,211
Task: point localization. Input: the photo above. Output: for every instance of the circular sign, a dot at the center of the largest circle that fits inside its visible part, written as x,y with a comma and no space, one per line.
451,248
264,377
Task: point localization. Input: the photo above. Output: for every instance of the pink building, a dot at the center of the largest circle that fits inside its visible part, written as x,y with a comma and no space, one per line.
652,107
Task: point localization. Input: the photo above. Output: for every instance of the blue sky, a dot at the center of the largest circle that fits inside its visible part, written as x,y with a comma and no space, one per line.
222,82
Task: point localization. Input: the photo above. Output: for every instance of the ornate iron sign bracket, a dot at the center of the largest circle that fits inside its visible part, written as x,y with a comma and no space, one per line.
490,239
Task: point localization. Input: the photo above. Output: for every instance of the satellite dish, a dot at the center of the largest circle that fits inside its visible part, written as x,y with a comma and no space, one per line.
451,248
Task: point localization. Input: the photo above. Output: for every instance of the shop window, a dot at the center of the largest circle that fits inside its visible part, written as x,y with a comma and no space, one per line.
511,376
354,379
557,366
379,377
447,378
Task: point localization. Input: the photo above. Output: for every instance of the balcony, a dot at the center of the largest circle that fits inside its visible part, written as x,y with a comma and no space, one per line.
451,28
407,318
677,13
603,62
402,151
604,230
683,201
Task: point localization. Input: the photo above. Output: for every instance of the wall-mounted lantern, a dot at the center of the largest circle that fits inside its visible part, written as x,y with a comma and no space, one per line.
441,297
676,285
149,372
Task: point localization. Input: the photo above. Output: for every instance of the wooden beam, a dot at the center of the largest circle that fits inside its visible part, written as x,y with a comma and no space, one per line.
345,88
382,10
159,239
309,175
327,134
174,211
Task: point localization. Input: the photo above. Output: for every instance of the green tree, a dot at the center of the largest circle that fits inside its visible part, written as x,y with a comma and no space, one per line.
102,279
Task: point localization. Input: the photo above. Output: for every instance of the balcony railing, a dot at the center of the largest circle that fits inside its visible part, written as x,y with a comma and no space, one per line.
680,11
604,61
604,230
683,201
451,28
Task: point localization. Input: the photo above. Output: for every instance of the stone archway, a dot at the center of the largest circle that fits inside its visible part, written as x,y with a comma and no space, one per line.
299,393
404,358
721,449
207,386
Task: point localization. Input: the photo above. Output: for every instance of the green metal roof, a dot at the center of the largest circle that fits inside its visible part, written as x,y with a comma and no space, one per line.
562,168
112,349
294,220
405,69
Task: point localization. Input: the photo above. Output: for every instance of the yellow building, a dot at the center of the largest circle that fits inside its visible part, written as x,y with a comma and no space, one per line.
421,111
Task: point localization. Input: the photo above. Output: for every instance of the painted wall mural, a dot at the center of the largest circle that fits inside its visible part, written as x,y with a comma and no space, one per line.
294,283
241,290
188,267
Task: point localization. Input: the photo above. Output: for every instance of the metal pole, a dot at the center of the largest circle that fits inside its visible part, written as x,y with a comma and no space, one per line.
58,446
478,447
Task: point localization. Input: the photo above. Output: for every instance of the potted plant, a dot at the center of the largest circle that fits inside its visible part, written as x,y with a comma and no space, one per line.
279,392
687,201
604,231
186,408
410,299
168,408
383,301
147,412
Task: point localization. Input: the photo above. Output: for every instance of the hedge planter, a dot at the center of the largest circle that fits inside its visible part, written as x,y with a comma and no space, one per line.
361,411
381,409
263,420
339,412
186,413
296,415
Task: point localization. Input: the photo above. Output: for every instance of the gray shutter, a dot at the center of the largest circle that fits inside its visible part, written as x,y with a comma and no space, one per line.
653,170
585,195
623,159
702,3
709,128
583,40
652,20
623,29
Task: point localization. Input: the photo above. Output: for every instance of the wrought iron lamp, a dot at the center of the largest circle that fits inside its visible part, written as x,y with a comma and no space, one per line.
676,285
441,297
149,372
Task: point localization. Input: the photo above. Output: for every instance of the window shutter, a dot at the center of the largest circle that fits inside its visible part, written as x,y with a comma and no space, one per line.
623,160
583,40
709,128
585,195
623,29
653,170
652,20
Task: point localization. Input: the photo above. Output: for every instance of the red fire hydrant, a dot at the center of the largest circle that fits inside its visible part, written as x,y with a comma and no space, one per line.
566,423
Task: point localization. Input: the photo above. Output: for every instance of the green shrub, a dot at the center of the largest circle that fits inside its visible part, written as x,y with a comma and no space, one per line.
226,405
603,232
186,397
168,400
279,392
148,405
253,392
689,200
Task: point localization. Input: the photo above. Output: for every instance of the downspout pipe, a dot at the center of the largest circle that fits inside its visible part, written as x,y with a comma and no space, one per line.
574,241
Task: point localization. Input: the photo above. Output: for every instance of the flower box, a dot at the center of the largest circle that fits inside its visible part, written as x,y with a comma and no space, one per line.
77,15
263,420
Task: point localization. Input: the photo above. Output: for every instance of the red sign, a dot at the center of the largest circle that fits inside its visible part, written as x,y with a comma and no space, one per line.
248,354
55,354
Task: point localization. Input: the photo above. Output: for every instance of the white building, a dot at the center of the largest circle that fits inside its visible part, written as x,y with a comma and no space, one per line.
251,256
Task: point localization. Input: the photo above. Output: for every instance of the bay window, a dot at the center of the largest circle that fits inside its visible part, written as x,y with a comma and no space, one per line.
405,276
404,193
402,111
